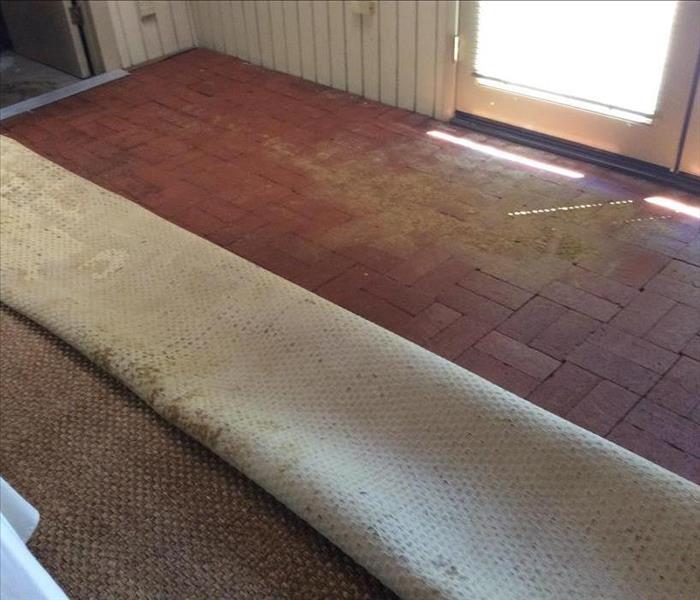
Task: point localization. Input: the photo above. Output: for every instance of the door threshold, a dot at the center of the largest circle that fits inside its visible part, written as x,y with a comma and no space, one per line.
55,95
541,141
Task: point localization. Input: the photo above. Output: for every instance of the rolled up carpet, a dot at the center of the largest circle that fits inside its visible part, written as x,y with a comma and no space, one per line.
440,483
132,507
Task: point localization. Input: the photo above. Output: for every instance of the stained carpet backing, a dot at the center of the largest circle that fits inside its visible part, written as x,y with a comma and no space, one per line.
133,508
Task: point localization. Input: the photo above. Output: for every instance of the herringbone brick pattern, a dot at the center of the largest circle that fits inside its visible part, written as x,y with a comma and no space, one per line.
592,312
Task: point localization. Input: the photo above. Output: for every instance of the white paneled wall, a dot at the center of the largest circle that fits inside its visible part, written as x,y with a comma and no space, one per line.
401,55
141,39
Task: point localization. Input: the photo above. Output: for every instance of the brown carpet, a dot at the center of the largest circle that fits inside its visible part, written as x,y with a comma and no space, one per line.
130,506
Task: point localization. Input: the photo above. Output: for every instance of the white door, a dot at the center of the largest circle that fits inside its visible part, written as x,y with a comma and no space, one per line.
613,75
43,31
690,159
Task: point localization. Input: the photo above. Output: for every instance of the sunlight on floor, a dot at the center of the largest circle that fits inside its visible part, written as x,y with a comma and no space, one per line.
537,211
674,205
502,154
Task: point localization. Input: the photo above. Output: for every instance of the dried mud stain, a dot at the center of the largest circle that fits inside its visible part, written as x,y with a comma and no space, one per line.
404,192
401,208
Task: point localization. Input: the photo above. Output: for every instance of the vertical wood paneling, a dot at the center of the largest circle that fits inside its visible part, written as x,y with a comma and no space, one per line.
213,16
306,40
291,29
182,24
388,28
229,41
401,55
209,19
322,49
122,47
139,40
251,29
262,9
190,19
279,45
215,13
130,23
353,50
370,55
407,24
426,47
336,27
199,24
165,26
239,30
202,24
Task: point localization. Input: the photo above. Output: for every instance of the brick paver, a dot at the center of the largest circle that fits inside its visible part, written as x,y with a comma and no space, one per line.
602,408
591,313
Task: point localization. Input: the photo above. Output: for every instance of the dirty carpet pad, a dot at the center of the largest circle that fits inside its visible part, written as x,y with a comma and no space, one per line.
440,483
131,507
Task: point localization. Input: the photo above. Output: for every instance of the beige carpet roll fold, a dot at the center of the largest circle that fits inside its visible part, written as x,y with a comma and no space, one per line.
132,508
438,482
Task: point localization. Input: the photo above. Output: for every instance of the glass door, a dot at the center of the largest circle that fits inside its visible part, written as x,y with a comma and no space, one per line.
614,75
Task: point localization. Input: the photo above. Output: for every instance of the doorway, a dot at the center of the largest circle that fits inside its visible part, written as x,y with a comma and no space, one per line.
43,49
613,76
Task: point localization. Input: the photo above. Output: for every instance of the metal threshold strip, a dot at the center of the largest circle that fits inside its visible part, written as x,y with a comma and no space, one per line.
55,95
541,141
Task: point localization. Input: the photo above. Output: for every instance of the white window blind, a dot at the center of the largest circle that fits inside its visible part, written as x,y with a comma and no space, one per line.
603,56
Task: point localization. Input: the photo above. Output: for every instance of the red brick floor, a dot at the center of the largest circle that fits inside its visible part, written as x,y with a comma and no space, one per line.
592,313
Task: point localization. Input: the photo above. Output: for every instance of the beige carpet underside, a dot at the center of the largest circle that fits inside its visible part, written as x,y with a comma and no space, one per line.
131,507
438,482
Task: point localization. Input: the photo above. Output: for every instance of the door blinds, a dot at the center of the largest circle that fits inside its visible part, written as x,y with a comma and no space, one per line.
602,56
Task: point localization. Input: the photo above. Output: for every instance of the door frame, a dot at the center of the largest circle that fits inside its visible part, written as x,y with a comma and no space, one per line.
100,39
671,113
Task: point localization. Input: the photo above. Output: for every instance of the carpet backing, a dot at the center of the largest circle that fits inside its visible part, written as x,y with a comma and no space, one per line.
131,507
